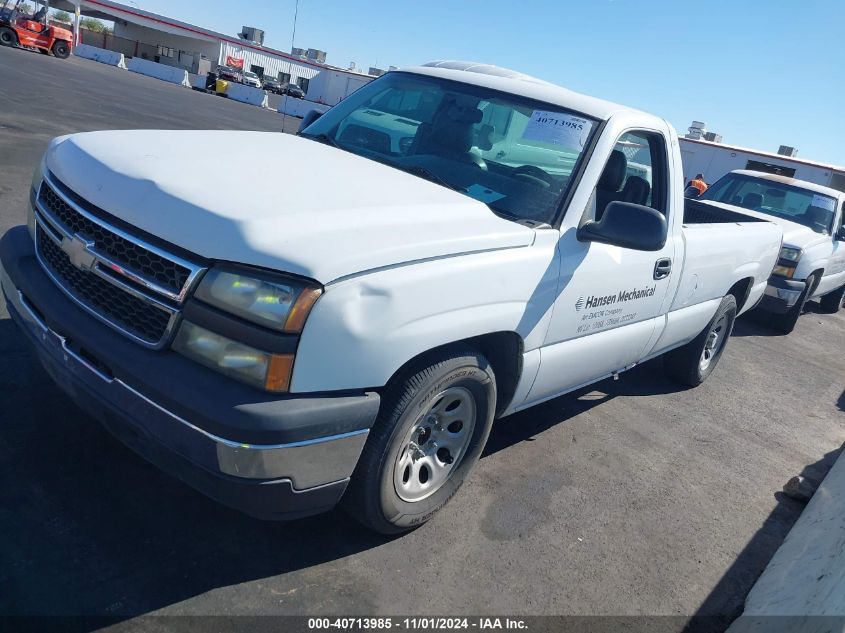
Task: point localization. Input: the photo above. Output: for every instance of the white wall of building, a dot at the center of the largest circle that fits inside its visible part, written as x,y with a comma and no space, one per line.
331,86
272,64
715,160
185,49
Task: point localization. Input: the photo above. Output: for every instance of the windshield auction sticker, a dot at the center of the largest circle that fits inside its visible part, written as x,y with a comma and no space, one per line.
558,129
823,202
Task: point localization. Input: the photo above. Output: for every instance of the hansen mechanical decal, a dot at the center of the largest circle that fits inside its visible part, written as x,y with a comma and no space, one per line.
623,296
612,313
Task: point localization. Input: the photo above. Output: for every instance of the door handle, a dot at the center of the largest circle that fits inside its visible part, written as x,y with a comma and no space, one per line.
662,268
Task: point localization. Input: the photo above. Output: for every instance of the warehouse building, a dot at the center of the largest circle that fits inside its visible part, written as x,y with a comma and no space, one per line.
196,49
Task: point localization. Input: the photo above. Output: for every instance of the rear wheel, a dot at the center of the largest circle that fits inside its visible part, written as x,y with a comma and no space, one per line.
787,321
694,362
61,49
7,36
832,301
432,427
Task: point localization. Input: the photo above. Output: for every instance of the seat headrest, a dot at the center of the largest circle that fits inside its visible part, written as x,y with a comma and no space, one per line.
752,200
614,172
636,190
464,114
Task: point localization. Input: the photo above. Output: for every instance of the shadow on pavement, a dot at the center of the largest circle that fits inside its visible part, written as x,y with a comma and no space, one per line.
726,600
644,380
91,529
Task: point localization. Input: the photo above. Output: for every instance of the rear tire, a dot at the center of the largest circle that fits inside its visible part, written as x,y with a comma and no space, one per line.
61,49
832,301
692,363
432,426
8,37
786,322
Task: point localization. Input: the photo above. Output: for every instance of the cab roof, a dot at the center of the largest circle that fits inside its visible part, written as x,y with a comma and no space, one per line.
786,180
514,82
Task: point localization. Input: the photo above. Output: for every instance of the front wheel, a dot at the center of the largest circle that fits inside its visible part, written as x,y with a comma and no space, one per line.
832,301
692,363
431,429
61,49
7,37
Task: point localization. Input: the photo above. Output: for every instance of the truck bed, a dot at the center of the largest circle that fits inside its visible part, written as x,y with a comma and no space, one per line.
697,212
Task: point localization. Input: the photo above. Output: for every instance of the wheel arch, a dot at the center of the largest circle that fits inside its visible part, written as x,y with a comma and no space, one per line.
741,290
503,350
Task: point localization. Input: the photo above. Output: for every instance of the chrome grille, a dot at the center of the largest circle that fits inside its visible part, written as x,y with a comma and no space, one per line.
134,315
166,272
126,282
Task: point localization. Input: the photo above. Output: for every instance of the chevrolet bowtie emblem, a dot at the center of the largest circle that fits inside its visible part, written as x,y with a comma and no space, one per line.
78,251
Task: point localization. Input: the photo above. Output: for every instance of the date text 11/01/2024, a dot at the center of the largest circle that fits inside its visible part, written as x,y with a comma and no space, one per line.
417,623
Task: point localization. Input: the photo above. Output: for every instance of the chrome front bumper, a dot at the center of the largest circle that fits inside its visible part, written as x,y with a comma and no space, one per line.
322,464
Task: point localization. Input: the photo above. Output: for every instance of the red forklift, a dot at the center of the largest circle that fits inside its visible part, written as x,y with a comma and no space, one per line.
19,28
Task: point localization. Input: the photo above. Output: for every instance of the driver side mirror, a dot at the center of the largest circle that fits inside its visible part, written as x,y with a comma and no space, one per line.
840,234
309,118
627,225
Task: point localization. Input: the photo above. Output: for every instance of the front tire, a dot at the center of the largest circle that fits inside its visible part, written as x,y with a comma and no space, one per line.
692,363
832,301
61,49
433,424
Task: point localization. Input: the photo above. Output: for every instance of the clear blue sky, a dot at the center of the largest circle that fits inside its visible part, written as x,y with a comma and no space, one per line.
760,72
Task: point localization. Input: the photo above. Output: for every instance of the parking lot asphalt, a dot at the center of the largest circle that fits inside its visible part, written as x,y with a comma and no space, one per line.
632,497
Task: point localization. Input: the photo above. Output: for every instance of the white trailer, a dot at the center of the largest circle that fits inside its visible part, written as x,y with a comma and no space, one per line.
714,160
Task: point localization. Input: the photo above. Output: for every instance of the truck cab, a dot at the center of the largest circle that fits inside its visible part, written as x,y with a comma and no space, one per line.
353,342
812,261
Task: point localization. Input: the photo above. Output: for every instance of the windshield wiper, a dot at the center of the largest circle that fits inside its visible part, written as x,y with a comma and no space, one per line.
323,138
424,172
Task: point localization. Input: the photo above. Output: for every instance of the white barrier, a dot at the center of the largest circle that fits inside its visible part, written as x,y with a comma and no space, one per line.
198,81
112,58
247,94
804,583
299,107
159,71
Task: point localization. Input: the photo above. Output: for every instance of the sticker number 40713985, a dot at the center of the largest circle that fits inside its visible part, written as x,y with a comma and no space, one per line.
557,128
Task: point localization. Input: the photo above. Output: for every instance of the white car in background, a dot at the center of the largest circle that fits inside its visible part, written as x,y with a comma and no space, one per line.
251,79
812,260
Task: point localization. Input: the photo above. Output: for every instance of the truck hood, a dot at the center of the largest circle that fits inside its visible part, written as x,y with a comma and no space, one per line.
794,234
275,200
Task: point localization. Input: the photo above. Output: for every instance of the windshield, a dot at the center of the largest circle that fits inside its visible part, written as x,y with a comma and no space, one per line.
509,152
789,202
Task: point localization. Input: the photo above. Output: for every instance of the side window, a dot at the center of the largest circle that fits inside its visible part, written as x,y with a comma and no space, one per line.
636,172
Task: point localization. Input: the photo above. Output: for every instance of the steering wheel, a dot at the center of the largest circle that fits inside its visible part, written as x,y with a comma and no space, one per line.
533,174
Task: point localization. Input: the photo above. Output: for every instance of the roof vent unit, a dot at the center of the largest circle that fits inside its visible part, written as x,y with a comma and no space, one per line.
785,150
712,137
316,55
697,130
252,34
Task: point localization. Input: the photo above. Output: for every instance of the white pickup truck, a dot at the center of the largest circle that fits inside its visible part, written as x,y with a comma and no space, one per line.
812,260
355,341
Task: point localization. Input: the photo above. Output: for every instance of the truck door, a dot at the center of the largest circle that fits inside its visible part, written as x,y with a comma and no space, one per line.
609,297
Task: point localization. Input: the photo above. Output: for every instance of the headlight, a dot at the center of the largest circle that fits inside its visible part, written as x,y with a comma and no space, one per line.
270,372
790,253
788,259
279,304
784,271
